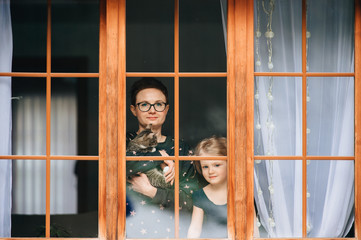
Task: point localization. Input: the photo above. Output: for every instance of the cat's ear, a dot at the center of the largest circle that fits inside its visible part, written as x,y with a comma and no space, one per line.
133,110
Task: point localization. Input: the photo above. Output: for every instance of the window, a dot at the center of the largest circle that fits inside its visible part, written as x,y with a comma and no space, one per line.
52,80
305,147
59,62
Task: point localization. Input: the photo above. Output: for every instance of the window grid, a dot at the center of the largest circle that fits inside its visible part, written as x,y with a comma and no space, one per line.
176,75
234,15
48,157
304,74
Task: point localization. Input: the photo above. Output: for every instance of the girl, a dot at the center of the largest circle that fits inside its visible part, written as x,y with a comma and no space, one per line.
210,202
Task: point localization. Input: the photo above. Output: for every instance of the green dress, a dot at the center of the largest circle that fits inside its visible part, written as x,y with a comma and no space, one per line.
154,218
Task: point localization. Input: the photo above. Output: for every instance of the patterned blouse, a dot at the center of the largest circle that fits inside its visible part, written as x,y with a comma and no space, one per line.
154,218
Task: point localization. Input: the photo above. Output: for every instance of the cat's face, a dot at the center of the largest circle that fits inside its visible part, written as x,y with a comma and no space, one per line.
147,138
150,95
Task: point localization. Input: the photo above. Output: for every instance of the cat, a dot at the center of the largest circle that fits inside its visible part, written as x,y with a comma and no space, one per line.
146,141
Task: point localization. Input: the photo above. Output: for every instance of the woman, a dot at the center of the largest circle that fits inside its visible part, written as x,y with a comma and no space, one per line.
151,214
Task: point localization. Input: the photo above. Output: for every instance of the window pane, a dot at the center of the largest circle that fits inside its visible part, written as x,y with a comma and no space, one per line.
164,121
146,217
330,198
74,198
150,36
28,20
330,116
74,112
278,198
28,198
330,32
202,36
202,109
75,36
278,36
206,198
278,116
28,116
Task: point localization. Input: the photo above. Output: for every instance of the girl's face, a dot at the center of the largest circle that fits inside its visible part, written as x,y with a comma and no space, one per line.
152,96
214,171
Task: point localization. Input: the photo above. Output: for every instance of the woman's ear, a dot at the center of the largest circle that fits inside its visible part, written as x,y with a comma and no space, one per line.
133,110
166,109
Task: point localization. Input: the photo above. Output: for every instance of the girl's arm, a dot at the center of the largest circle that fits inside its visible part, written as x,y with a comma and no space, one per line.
255,227
195,229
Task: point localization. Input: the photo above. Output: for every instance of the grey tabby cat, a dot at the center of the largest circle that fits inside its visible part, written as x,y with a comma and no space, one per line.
144,142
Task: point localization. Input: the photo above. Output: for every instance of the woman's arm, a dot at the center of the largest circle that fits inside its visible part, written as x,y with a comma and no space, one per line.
142,185
195,229
188,183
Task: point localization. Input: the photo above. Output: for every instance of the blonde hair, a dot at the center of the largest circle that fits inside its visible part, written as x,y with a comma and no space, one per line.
214,146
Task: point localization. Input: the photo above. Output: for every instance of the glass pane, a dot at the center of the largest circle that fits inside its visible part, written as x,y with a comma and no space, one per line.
150,36
278,116
28,198
330,198
150,201
75,36
202,30
278,198
330,36
28,116
74,116
202,109
330,116
205,195
278,36
147,90
28,20
73,198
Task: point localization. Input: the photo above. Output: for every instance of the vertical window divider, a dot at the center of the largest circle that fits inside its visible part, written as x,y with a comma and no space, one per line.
112,151
48,119
238,153
249,112
304,121
122,121
176,117
102,120
231,86
357,80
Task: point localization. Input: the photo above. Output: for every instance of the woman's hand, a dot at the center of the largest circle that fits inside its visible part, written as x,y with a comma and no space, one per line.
170,174
142,185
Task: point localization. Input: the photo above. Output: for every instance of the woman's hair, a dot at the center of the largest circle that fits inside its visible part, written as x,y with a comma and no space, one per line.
144,83
213,146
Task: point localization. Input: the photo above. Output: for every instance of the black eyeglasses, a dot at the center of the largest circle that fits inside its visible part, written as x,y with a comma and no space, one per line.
145,107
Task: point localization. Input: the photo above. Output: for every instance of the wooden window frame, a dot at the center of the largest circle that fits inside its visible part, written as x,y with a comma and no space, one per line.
240,75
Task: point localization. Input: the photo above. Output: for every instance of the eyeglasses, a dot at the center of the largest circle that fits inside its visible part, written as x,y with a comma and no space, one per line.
145,107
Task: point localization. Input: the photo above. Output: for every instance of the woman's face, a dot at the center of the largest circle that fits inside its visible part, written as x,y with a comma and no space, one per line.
152,96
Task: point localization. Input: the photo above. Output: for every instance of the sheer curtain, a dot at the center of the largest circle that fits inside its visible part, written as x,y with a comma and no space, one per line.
330,119
5,118
29,139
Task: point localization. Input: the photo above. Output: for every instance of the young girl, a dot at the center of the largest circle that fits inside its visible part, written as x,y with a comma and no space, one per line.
209,217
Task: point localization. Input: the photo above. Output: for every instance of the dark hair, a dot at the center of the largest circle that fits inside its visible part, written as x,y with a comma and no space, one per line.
214,146
144,83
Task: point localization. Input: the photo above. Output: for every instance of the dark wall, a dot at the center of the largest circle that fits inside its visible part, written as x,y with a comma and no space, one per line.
150,48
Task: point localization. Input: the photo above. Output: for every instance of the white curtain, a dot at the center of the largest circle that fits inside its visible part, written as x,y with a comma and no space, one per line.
29,136
330,119
6,46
